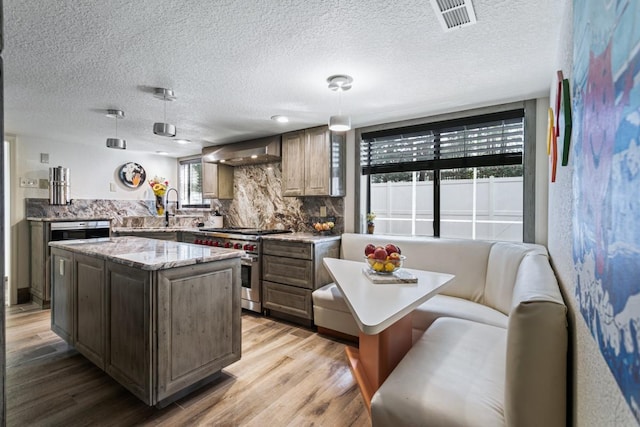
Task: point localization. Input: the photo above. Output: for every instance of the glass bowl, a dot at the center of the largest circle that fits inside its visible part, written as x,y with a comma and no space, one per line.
387,266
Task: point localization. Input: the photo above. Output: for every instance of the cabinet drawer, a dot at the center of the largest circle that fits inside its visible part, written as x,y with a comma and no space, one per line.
290,271
288,299
288,249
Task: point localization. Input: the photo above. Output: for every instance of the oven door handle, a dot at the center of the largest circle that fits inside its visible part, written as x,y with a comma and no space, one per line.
248,259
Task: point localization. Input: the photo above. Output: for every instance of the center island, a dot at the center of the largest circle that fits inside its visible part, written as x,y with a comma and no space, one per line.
162,318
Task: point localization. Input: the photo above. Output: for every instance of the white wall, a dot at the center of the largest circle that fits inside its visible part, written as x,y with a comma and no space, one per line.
91,169
596,398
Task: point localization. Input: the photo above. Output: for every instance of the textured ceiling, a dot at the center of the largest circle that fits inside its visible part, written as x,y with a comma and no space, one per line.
235,63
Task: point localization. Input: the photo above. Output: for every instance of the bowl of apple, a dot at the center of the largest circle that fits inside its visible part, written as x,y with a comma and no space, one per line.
383,259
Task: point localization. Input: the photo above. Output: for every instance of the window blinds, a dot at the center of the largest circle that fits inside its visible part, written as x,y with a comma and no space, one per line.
482,141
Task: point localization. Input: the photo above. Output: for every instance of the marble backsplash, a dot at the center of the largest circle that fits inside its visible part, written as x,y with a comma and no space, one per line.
257,203
123,213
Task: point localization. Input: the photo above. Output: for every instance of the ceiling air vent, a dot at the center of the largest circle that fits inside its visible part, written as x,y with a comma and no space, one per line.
454,13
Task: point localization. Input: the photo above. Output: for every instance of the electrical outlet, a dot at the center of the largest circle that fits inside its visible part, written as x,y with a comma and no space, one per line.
323,211
29,182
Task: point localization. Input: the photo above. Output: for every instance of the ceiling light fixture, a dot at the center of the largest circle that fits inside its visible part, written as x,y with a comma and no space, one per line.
116,142
340,83
164,129
280,119
182,141
162,153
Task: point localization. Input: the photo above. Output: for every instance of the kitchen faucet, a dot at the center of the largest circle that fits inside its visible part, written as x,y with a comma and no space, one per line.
166,212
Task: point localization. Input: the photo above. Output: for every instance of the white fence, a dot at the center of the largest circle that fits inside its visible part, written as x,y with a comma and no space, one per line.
489,208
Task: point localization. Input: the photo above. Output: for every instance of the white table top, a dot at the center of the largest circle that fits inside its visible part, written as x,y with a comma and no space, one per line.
375,307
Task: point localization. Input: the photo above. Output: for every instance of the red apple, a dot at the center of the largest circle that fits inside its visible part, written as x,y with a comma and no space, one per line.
369,249
380,253
390,248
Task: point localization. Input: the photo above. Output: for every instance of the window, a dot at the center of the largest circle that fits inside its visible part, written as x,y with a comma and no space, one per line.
190,178
459,178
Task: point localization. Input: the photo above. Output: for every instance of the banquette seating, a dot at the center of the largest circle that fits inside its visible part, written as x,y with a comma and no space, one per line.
494,347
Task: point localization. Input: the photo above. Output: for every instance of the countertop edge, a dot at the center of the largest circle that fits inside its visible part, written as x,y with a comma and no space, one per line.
83,247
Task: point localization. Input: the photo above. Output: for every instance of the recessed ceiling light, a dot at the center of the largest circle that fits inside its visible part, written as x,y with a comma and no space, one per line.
254,156
222,160
182,141
162,153
280,119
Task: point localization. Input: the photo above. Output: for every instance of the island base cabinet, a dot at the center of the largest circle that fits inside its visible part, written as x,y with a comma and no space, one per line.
129,337
62,282
89,303
194,340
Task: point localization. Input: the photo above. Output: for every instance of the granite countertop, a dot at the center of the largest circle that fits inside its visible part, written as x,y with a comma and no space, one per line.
66,219
152,229
302,237
147,254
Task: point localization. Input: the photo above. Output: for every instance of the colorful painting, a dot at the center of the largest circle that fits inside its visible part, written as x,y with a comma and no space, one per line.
606,157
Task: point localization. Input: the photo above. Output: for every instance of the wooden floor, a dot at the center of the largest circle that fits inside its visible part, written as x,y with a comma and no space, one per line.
288,376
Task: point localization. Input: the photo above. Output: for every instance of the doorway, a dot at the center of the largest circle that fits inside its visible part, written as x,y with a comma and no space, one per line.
10,292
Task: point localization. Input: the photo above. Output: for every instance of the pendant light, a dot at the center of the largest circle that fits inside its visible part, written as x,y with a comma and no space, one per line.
116,142
340,83
164,129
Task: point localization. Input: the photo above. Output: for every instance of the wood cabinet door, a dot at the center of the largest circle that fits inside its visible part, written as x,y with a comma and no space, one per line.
316,164
293,163
63,296
288,299
199,330
290,271
217,181
128,331
38,259
90,308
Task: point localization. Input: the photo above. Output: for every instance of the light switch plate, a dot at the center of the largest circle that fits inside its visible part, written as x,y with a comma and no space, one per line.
112,187
44,157
29,182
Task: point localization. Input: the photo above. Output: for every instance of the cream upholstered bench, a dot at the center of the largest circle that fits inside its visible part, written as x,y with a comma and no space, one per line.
494,347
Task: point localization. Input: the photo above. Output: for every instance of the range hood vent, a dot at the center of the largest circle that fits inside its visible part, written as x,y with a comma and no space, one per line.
255,151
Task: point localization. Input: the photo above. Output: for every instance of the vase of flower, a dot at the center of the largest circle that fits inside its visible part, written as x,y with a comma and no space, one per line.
159,188
370,225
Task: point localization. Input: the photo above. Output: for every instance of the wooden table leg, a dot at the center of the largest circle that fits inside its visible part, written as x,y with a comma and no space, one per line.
378,355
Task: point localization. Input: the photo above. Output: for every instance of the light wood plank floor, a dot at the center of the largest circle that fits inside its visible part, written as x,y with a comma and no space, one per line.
288,376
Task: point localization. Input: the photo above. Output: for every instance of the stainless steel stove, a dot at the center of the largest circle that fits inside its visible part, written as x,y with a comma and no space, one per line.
249,240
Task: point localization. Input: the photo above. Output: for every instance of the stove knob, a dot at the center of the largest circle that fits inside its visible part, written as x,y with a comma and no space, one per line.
227,244
254,247
247,247
196,242
237,246
209,243
216,243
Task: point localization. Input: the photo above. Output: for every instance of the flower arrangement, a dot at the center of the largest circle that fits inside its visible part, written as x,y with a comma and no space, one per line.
370,217
159,185
159,188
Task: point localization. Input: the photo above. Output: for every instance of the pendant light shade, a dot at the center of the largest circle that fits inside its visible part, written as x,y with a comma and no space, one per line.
340,83
339,123
164,128
116,142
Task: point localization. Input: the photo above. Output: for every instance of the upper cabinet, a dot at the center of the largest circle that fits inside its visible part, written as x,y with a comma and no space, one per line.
217,181
313,163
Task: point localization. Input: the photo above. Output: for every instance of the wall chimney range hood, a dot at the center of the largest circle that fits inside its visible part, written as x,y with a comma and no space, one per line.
252,152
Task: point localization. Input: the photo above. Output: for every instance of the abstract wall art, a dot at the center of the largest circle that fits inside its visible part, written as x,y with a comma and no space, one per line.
606,183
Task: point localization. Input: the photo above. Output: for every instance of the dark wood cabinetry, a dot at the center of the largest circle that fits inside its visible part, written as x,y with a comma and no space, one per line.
291,271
